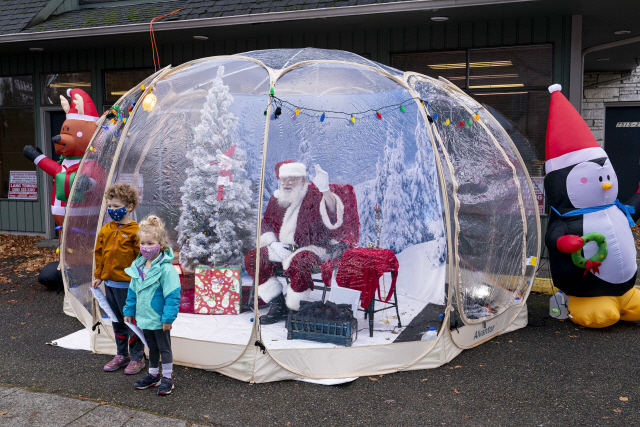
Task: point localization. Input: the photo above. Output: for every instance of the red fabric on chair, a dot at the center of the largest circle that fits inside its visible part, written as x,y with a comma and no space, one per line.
361,268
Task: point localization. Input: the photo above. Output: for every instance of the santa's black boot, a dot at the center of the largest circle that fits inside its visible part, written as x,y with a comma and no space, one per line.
277,311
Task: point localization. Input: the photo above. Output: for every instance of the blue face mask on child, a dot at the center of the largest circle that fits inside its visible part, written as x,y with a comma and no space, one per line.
117,214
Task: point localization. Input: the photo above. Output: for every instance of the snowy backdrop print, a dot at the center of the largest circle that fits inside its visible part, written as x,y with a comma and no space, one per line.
389,161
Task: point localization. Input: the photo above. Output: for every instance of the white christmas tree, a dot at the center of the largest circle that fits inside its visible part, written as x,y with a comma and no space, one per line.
366,214
396,206
382,170
423,189
213,231
374,195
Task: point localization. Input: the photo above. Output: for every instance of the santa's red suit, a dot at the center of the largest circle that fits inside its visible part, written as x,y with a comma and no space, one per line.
311,228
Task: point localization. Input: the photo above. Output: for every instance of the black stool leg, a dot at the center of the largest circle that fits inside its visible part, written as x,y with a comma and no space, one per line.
372,307
395,298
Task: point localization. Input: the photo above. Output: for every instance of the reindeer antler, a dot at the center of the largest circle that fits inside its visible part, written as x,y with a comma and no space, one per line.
65,104
77,99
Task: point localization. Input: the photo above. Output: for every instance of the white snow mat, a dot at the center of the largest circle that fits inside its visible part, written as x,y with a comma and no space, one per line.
80,340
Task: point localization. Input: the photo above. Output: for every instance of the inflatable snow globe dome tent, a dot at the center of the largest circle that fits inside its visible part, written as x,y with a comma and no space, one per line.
428,207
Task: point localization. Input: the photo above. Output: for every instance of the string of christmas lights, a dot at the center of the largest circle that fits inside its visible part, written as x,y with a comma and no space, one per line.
351,116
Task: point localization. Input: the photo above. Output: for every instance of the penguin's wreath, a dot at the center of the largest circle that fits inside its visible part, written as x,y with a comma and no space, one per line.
595,261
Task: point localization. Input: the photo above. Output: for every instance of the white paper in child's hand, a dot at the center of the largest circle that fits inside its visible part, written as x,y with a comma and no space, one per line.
138,332
102,302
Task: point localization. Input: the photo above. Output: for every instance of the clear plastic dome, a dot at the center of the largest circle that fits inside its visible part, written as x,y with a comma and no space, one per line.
428,196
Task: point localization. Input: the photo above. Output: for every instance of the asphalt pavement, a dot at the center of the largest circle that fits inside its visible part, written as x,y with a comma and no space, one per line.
551,373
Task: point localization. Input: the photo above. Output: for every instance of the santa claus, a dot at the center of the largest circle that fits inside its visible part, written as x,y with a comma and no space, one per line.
298,234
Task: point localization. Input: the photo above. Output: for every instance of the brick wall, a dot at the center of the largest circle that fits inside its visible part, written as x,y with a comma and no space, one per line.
594,97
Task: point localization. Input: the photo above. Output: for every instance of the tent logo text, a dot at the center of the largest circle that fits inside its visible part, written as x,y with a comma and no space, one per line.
628,125
483,332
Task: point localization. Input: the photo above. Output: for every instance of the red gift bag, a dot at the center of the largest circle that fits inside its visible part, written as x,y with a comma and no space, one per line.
217,290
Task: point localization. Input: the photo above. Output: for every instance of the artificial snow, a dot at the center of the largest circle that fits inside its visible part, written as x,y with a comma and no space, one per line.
80,340
236,329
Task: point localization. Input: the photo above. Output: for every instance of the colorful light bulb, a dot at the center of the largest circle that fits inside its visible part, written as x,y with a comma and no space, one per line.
402,108
353,119
322,117
378,115
447,122
297,111
435,116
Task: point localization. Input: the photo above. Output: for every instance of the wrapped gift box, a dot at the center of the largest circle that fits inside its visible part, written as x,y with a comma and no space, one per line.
217,290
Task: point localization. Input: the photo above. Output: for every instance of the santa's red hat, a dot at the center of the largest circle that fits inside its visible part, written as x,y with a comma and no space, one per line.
81,106
290,168
229,153
569,139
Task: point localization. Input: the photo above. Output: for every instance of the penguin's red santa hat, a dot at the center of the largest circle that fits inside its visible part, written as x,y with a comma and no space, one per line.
81,106
569,139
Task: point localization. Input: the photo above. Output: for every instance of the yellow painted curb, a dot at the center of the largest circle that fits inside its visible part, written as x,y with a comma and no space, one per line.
543,286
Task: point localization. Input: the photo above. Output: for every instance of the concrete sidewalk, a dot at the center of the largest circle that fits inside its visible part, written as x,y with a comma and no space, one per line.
23,408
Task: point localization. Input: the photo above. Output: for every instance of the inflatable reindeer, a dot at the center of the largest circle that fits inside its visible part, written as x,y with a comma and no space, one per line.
71,144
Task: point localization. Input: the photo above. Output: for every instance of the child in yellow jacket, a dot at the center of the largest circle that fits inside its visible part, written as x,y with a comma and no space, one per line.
117,246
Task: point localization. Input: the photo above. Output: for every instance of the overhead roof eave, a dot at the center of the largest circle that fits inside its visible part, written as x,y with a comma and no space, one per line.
401,6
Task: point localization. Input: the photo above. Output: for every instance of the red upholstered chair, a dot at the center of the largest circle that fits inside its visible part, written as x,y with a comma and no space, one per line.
347,235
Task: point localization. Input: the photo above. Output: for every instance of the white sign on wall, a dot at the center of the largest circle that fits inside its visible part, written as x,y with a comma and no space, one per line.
23,185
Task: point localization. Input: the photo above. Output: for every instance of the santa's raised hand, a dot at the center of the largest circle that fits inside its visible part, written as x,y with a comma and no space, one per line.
321,180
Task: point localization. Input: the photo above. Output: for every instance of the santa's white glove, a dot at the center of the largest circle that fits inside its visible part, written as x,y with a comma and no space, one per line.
278,252
321,180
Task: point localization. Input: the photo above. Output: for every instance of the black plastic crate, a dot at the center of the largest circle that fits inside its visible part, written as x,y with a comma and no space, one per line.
320,322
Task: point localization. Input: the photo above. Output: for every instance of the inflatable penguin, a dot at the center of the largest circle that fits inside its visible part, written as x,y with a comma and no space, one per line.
592,254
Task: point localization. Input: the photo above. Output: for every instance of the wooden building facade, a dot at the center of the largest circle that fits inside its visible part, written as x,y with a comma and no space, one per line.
381,44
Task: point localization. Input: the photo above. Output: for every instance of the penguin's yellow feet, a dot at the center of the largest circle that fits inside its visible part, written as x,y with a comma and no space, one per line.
594,312
600,312
630,303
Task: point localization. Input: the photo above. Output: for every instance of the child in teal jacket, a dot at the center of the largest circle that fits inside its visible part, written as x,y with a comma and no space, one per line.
154,300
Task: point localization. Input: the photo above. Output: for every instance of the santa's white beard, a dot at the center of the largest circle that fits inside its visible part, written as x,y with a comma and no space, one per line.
287,197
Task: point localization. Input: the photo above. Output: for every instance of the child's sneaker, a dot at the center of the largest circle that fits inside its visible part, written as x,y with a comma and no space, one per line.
117,363
166,386
134,367
147,381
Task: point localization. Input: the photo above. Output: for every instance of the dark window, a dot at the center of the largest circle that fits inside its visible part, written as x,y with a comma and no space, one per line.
17,127
56,84
511,81
450,65
117,83
512,68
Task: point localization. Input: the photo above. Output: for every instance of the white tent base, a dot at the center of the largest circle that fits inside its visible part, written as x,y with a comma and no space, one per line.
253,365
66,307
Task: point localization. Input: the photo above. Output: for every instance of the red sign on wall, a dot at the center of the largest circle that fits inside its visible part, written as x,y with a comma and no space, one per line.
23,185
538,187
